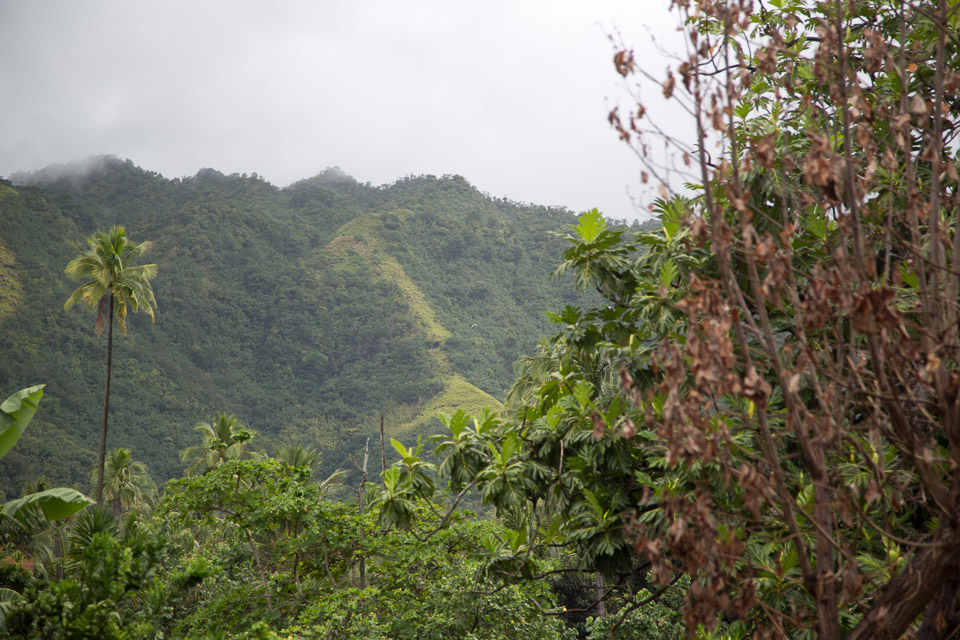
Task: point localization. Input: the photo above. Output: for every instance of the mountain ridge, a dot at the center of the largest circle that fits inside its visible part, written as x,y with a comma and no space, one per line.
308,310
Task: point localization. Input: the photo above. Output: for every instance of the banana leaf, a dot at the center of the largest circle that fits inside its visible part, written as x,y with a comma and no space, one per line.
56,504
15,413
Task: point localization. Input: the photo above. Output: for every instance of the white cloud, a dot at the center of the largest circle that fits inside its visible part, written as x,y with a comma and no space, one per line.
512,95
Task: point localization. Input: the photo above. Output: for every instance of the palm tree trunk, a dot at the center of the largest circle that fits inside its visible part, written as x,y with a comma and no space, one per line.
106,404
58,551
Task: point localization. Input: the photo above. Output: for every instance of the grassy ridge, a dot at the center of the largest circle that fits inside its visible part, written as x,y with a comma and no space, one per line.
11,290
358,240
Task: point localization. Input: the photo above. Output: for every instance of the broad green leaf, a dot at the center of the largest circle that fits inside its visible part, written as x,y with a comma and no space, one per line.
571,315
56,504
516,538
593,501
15,412
486,421
591,224
402,450
671,216
668,272
554,317
457,422
490,543
8,595
7,598
816,223
583,391
613,412
391,479
510,447
908,277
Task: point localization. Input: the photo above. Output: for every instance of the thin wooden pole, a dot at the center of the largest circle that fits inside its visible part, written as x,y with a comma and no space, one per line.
383,456
363,560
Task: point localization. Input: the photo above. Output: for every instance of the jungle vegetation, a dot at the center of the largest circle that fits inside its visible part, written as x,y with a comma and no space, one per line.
752,430
308,312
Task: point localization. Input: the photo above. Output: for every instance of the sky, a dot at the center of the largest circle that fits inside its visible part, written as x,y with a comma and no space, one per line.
513,95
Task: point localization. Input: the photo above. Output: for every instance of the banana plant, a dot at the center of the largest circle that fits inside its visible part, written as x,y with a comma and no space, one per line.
56,504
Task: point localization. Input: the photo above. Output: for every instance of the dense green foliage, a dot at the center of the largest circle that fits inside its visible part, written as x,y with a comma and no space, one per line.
307,311
252,549
317,569
765,407
113,586
753,431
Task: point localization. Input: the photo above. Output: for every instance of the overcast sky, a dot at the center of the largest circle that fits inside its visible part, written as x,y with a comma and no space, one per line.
510,94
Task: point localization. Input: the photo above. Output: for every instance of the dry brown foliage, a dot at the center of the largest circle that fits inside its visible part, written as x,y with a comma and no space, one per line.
816,378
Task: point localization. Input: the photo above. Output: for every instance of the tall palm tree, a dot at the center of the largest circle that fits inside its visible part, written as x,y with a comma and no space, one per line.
112,286
126,482
223,439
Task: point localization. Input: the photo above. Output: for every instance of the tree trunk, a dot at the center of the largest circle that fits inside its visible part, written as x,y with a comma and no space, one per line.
825,591
296,574
383,456
263,573
58,551
942,618
363,560
908,593
598,586
106,405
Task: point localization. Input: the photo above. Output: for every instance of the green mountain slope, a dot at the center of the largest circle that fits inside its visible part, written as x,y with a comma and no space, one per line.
308,311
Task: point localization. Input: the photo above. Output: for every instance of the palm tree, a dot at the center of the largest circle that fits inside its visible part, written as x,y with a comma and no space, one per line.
112,286
301,456
223,439
126,484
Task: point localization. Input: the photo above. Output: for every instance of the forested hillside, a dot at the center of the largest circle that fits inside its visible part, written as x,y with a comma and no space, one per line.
752,430
307,311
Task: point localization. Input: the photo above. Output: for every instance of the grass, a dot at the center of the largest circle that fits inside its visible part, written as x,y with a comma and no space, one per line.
387,267
359,237
457,394
11,290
